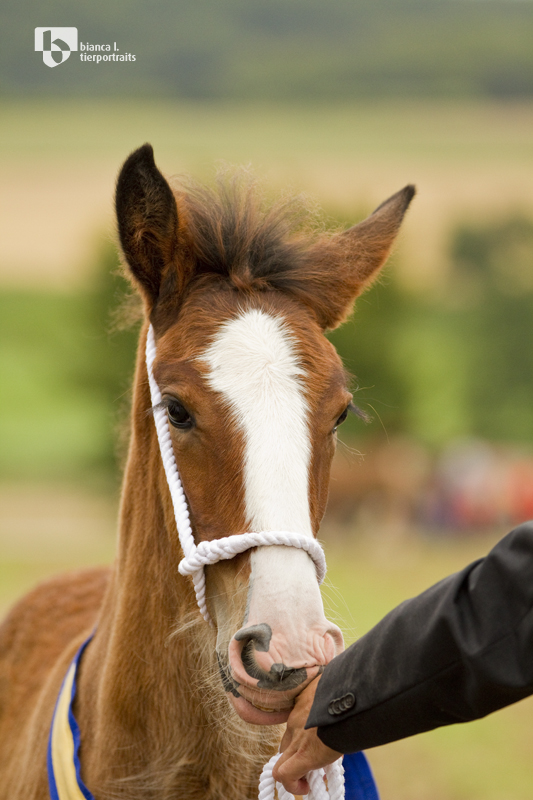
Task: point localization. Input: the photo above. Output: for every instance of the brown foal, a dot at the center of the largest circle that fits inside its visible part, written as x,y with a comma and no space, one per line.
168,706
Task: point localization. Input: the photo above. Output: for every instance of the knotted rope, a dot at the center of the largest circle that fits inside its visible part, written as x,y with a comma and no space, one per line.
334,775
195,557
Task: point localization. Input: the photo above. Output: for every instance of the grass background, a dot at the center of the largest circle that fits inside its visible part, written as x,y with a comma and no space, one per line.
58,161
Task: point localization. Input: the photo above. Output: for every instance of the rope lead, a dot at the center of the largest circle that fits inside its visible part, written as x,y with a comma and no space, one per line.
324,784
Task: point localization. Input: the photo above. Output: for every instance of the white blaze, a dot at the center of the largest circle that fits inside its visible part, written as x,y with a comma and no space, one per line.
254,366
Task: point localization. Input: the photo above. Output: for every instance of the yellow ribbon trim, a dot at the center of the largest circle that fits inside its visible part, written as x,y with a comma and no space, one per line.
63,744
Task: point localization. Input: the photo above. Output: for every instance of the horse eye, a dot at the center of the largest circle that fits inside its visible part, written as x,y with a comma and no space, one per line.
341,418
178,415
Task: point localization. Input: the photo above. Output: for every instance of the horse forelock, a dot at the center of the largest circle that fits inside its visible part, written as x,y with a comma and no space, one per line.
236,233
232,237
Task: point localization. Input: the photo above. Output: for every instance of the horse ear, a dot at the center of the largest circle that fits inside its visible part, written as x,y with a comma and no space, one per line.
147,219
352,259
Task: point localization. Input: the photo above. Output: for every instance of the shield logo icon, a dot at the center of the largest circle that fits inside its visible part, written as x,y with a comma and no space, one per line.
56,44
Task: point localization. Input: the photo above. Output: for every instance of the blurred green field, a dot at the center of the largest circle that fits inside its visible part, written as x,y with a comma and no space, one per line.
202,132
425,364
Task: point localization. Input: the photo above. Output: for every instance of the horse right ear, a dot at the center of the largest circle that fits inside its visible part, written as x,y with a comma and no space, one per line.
347,263
147,219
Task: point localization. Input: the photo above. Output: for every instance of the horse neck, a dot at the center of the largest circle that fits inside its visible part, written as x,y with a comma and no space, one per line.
151,666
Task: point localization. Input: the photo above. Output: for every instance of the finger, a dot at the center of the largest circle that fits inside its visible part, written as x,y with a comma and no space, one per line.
293,784
300,787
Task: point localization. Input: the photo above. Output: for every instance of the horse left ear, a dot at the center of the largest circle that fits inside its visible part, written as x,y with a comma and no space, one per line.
349,261
147,219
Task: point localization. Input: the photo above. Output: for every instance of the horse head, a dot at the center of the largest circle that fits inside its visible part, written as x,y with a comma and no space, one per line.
239,299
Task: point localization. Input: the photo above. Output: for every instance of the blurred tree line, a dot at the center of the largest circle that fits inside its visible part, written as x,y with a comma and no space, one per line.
433,367
67,369
459,362
278,49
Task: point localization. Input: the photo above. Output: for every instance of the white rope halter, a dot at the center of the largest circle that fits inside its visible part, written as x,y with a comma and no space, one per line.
195,557
333,773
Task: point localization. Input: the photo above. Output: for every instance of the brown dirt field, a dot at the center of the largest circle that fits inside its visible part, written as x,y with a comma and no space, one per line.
467,161
66,221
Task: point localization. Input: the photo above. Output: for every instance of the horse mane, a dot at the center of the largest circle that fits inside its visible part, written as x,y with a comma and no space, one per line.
241,238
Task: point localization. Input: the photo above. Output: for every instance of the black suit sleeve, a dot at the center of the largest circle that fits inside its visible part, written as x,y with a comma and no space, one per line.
457,652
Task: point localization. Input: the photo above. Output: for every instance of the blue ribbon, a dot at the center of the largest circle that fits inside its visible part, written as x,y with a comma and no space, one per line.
359,782
76,736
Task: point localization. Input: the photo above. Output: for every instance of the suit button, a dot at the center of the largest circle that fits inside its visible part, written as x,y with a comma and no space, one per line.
341,704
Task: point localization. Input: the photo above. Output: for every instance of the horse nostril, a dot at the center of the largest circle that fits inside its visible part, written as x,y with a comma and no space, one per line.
248,661
279,677
258,635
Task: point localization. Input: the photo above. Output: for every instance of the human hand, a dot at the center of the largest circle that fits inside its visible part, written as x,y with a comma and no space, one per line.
302,750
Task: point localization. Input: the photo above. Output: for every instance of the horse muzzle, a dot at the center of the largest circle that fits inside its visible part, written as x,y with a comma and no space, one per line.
285,641
261,689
